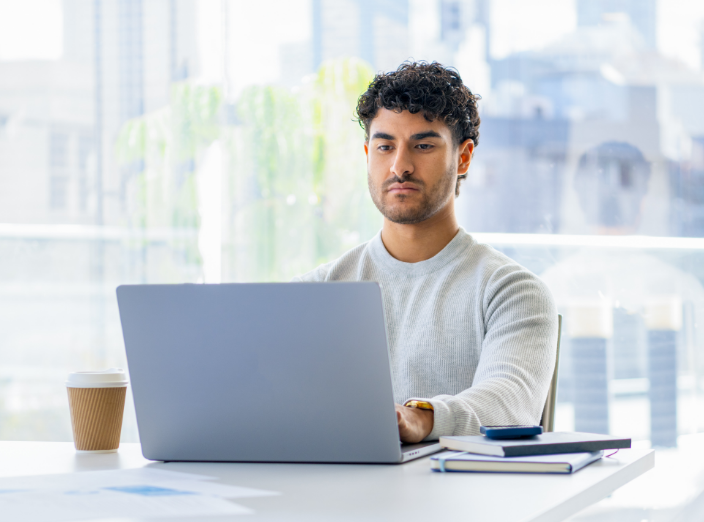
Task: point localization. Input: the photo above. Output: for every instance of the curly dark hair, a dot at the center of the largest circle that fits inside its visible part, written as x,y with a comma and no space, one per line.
432,88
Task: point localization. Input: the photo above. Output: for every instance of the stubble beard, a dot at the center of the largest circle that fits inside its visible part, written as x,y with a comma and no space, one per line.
431,202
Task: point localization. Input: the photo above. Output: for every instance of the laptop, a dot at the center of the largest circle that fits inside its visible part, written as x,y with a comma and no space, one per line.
270,372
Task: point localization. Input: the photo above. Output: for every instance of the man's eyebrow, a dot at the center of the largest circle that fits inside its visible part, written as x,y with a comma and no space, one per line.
426,134
415,137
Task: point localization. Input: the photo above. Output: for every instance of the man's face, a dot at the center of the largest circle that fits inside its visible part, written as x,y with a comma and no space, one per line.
412,165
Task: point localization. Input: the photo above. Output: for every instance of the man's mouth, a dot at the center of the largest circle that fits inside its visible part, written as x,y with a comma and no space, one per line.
401,188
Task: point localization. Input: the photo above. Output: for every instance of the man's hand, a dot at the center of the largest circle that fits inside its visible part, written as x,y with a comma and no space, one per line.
414,424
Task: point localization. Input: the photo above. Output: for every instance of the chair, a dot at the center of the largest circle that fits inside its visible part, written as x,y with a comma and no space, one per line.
548,419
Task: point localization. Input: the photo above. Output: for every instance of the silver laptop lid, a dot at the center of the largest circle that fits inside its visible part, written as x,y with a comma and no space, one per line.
278,372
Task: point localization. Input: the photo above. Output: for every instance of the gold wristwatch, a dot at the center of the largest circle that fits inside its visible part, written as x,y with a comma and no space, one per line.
421,405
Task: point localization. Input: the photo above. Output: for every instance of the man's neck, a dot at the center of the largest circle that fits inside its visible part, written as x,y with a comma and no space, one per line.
419,242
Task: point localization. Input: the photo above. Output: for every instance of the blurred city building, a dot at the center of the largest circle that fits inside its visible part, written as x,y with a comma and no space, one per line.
374,30
120,59
641,13
46,142
605,81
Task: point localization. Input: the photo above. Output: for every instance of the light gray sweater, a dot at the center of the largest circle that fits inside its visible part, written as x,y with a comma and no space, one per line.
470,331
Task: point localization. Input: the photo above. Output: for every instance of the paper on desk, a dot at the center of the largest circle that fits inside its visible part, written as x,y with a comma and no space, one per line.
57,506
113,477
141,492
220,490
201,484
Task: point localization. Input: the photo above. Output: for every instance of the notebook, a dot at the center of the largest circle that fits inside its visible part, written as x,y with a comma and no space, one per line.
560,463
545,444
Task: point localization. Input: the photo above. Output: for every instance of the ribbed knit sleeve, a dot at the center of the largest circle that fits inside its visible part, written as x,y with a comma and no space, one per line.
516,363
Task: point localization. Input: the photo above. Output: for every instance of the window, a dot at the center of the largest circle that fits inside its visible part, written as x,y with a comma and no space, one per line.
197,148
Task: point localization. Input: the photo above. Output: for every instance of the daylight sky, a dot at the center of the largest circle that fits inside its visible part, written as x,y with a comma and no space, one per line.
32,29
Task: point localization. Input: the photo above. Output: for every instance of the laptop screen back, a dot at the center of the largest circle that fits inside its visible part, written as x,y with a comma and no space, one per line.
279,372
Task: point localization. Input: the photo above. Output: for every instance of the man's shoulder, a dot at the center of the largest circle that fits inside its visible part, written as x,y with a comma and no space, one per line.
488,261
344,268
497,271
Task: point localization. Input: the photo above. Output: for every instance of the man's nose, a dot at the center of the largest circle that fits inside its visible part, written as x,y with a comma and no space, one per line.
402,165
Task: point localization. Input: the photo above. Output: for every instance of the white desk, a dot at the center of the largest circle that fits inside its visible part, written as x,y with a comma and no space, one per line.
325,492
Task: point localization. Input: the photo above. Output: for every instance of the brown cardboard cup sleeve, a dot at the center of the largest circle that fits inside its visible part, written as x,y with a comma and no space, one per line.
97,402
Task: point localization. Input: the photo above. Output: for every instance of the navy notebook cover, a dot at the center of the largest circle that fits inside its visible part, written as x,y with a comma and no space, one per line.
545,444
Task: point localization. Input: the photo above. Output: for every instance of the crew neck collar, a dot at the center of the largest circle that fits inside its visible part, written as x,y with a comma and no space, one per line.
381,256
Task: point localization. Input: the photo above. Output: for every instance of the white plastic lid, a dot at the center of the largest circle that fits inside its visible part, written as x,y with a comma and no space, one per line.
111,378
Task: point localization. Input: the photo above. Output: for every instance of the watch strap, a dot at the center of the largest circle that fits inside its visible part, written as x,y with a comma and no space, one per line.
421,405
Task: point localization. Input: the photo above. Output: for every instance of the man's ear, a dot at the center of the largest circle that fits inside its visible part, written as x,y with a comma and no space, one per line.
366,149
466,149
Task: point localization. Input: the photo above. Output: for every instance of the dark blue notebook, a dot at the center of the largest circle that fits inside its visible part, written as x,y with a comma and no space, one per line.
545,444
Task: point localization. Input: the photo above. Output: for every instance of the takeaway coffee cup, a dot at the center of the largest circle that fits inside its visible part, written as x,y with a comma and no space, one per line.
97,401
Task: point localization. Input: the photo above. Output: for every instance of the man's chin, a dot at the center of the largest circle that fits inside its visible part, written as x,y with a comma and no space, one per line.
406,216
406,221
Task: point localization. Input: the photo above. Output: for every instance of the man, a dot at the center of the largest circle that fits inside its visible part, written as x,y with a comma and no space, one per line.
472,335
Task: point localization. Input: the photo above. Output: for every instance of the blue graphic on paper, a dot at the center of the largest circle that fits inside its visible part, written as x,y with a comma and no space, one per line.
11,491
149,491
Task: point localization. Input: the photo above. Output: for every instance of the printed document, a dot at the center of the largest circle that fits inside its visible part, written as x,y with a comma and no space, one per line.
139,493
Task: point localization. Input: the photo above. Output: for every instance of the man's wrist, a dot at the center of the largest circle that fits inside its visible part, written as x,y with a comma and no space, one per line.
427,420
424,413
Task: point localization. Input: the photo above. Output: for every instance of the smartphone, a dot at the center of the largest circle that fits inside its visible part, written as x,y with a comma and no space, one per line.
510,432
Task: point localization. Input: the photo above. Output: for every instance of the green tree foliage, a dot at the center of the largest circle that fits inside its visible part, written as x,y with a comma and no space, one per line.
269,178
158,154
294,189
305,150
338,157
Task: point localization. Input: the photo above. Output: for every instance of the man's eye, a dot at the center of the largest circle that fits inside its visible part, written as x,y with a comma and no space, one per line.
384,147
425,146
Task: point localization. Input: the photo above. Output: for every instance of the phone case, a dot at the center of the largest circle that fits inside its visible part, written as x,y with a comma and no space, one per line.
511,432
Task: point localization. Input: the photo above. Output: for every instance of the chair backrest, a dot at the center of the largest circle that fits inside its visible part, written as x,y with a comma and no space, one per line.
548,419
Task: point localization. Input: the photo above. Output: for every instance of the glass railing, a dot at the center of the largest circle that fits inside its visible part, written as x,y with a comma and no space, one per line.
630,359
